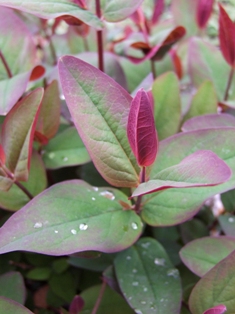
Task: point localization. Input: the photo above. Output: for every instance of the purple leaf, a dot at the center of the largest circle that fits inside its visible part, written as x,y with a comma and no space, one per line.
202,168
218,309
76,305
158,9
99,108
204,10
141,130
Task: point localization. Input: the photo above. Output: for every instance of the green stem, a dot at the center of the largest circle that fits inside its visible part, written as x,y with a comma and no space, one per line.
99,39
85,43
153,69
230,78
139,198
4,61
99,299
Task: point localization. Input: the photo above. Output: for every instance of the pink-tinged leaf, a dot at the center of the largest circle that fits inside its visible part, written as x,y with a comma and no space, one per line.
227,36
218,309
12,307
17,134
76,305
99,108
2,155
118,10
37,73
202,168
51,9
157,11
44,226
177,63
49,117
141,131
209,121
204,10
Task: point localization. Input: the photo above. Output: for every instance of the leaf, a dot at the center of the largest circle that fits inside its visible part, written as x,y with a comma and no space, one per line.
53,223
204,11
228,200
166,94
11,307
174,206
12,287
100,107
209,121
51,9
227,223
148,279
219,309
202,168
226,36
118,10
203,254
17,134
158,10
141,131
49,117
215,288
203,102
110,300
15,198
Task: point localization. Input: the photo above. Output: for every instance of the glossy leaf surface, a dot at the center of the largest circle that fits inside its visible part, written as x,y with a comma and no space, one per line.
166,94
173,206
100,108
51,9
12,307
215,288
141,131
53,223
202,168
148,279
17,134
12,287
203,254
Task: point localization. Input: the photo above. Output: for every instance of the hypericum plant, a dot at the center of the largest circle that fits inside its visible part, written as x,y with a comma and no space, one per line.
108,173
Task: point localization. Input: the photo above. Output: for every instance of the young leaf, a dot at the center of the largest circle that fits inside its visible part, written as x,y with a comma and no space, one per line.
202,168
100,107
218,309
157,11
17,134
203,254
148,279
215,288
98,223
12,307
226,36
51,9
204,10
12,286
141,131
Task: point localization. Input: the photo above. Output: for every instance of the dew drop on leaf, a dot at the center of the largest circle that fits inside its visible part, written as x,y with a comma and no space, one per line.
173,272
83,227
51,155
145,289
134,225
134,271
93,198
73,231
65,159
38,225
108,195
135,283
231,219
56,231
159,261
128,258
143,302
95,188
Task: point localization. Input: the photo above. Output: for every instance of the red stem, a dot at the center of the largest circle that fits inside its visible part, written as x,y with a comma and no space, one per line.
99,39
139,198
230,78
4,61
99,299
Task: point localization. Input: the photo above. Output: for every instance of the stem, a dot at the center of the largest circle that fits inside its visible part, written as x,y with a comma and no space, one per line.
230,78
139,198
4,61
99,39
153,69
85,43
99,299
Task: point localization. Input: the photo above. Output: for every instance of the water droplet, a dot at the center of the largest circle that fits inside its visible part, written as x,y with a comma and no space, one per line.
161,300
51,155
130,298
231,219
65,159
108,195
56,231
128,257
143,302
134,225
145,245
83,226
137,311
93,198
73,231
134,271
135,283
145,289
95,188
38,225
173,272
159,261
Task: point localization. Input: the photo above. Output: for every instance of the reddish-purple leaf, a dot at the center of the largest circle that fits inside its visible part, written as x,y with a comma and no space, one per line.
227,36
2,155
141,131
218,309
204,10
157,11
37,72
17,134
202,168
76,305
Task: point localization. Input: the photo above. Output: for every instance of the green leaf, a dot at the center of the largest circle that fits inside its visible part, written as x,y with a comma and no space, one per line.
228,200
100,107
58,282
148,279
11,307
203,254
12,287
17,134
227,223
173,206
70,217
39,273
216,287
65,149
166,94
111,301
203,102
51,9
99,263
193,229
